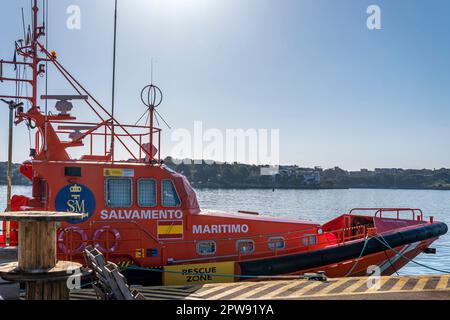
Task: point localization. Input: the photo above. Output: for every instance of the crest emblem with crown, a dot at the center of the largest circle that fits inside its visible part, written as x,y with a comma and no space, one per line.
75,189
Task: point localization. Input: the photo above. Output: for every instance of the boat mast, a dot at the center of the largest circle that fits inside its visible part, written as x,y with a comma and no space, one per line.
53,147
13,106
113,83
35,62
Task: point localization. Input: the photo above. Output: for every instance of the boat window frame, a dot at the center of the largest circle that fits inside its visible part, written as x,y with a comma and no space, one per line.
106,191
276,240
238,242
176,192
206,241
308,237
45,191
314,236
41,186
138,187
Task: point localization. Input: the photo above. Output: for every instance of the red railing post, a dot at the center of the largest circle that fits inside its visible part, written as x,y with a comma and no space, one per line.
91,143
140,150
106,140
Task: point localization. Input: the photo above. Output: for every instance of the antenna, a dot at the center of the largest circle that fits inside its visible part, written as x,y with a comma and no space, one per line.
152,93
23,26
151,70
151,97
113,82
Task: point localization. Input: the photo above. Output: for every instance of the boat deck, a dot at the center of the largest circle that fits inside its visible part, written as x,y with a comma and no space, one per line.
402,287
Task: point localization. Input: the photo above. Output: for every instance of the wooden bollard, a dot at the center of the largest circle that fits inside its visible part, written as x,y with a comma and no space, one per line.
45,278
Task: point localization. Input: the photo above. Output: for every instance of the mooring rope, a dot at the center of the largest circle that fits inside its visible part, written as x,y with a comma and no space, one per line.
360,255
383,241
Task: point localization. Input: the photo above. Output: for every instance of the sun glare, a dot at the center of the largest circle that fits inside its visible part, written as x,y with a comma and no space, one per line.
176,4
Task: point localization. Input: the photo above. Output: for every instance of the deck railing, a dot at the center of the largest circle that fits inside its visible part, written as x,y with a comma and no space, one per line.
379,212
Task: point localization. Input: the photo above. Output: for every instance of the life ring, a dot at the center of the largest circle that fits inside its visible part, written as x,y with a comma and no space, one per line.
80,248
99,232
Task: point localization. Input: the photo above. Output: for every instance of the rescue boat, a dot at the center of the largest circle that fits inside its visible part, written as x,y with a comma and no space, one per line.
145,217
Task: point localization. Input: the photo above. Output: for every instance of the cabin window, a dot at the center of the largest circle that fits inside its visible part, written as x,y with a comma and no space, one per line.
206,247
147,193
276,243
119,192
170,196
44,191
40,189
245,246
309,240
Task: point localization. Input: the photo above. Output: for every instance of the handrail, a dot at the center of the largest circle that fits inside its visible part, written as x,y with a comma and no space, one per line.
379,211
248,212
155,130
92,132
102,134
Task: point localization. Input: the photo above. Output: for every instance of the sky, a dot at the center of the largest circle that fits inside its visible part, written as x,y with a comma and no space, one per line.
340,94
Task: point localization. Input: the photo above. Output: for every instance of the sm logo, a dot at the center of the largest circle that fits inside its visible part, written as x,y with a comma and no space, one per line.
76,198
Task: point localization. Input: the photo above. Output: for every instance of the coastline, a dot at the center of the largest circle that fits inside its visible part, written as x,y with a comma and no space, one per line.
244,176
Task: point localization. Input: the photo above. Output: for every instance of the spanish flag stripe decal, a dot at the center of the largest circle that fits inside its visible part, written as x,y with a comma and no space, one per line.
170,236
170,223
170,229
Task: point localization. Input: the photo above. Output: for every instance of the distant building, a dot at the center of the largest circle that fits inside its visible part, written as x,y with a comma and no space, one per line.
310,176
388,170
361,173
